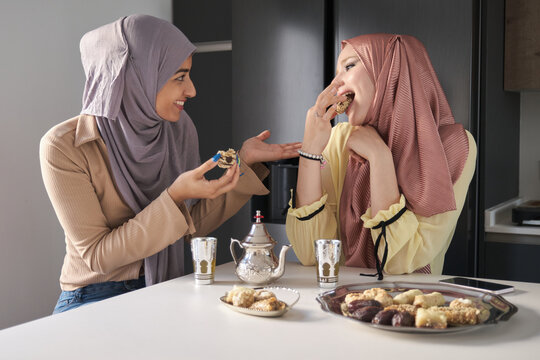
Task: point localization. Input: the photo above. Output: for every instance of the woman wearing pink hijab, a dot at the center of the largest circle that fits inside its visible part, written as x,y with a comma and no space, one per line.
391,182
124,176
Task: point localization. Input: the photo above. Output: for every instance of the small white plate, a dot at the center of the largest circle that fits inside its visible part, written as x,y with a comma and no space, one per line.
287,296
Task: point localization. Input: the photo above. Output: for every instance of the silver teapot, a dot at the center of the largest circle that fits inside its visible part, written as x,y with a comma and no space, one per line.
258,265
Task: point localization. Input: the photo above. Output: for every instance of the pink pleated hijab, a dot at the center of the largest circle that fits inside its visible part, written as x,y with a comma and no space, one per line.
412,115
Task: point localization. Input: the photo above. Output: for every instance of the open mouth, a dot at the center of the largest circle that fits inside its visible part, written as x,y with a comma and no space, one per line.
343,105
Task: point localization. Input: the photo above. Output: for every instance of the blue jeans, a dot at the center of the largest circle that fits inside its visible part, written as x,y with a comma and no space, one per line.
95,292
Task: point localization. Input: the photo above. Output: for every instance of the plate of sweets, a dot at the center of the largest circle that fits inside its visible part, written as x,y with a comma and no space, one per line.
271,301
416,307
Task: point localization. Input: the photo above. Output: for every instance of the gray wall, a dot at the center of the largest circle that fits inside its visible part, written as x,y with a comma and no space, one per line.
529,146
42,83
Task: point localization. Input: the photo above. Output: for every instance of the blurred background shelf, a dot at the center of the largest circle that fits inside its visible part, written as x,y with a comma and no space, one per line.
498,219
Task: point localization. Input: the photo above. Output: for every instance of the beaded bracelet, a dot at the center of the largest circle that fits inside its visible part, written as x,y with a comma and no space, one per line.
238,161
309,156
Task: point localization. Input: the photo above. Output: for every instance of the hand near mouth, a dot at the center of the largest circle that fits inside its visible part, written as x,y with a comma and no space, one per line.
317,129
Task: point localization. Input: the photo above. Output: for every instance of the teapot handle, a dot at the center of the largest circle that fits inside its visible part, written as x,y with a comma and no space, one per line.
233,253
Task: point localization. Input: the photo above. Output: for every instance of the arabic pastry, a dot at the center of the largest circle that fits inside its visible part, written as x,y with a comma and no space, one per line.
343,105
263,294
459,316
411,309
429,318
407,297
269,304
350,297
461,303
227,158
241,296
377,294
429,300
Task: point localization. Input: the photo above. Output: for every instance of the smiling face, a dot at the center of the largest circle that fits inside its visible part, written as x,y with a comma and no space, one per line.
172,96
356,80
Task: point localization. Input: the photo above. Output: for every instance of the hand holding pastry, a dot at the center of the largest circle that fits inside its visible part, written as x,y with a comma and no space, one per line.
193,185
317,129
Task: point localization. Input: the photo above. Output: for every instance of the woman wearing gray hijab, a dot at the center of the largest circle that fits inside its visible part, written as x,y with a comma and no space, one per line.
124,177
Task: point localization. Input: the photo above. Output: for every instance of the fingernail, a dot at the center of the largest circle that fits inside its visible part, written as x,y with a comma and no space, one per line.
216,157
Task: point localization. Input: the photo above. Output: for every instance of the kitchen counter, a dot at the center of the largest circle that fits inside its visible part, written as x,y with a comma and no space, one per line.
179,320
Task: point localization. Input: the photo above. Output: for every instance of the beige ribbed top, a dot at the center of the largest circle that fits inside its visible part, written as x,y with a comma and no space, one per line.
105,240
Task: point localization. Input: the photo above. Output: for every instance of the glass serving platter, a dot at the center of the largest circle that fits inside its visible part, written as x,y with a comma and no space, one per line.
287,296
496,307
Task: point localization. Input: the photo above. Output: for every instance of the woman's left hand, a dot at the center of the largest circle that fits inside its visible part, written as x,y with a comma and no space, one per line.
256,150
366,142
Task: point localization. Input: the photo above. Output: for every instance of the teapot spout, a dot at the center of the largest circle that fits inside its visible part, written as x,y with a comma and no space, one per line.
278,272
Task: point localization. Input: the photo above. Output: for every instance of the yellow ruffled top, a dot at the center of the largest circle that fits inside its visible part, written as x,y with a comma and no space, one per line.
413,240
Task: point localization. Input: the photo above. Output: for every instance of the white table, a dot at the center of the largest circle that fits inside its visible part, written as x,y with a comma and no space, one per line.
179,320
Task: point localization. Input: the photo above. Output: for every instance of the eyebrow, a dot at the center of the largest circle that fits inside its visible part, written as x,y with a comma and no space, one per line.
181,71
350,57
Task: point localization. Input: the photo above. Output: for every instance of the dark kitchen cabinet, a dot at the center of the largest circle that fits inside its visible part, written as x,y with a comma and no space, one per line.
522,45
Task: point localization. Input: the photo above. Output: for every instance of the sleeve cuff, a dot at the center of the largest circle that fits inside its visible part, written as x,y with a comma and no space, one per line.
306,210
382,215
258,168
181,211
250,182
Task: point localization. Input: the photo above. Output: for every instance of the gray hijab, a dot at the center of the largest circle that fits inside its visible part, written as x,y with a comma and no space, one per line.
126,63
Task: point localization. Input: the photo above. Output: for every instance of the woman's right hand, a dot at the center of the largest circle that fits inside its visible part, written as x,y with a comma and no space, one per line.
318,128
193,185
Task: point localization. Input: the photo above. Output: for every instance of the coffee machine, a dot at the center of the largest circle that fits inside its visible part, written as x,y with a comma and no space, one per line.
280,181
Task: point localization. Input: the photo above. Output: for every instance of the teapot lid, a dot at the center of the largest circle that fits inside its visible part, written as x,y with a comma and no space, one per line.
258,235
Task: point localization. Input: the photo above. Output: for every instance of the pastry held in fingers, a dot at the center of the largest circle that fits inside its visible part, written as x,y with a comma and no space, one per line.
227,158
342,106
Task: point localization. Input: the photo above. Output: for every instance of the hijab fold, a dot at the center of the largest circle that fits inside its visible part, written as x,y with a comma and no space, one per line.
411,114
126,63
